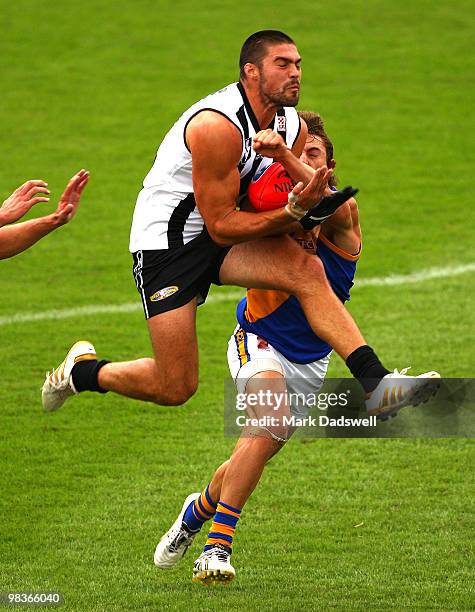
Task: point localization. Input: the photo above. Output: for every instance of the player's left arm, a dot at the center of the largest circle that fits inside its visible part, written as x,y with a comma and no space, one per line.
19,237
343,227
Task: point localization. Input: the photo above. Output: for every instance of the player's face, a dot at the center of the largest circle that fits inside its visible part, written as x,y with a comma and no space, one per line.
314,153
280,73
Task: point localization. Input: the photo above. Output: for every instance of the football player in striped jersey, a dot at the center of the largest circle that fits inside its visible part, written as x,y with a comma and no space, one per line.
188,233
273,349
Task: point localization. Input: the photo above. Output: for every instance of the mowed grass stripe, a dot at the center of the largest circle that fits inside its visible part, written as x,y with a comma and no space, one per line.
80,311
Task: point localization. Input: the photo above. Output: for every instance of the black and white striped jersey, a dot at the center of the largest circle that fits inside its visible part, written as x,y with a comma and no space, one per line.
166,215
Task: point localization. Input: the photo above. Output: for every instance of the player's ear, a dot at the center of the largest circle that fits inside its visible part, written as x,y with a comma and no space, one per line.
331,164
251,71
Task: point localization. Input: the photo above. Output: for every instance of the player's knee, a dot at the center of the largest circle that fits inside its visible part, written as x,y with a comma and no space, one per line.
310,276
270,440
175,394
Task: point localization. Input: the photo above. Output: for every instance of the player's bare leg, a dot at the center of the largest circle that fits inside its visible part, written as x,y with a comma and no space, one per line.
172,376
169,378
235,480
280,263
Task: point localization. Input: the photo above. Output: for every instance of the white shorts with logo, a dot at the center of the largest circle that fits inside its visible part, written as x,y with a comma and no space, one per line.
249,355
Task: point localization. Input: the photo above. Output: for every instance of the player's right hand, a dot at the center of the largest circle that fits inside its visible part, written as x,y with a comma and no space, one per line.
270,144
22,199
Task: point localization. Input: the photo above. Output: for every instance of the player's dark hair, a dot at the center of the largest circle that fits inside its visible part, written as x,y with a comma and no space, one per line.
255,47
316,127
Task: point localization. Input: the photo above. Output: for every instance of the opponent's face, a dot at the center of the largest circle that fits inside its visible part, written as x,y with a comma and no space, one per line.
314,153
279,75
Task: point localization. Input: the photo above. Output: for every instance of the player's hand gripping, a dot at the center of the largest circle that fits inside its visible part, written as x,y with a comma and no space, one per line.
270,144
306,197
22,199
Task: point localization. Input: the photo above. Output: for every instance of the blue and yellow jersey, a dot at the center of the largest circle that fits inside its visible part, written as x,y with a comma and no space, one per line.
278,318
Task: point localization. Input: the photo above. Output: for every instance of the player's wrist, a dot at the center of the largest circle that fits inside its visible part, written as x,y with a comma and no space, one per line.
293,207
282,153
51,221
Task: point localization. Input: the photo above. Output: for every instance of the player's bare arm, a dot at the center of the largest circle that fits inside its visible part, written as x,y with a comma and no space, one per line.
17,238
343,228
271,144
216,148
311,184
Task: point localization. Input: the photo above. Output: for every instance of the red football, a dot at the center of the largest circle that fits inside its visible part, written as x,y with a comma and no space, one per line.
269,190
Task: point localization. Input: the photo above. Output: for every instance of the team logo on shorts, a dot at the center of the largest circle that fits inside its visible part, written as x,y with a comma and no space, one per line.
161,294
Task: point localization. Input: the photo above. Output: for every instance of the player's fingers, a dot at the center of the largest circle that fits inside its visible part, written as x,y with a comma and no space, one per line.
31,192
317,179
71,186
261,134
67,212
31,183
34,201
297,189
266,137
64,211
273,138
82,184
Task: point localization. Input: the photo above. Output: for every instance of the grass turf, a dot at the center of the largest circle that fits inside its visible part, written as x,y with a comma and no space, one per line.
87,492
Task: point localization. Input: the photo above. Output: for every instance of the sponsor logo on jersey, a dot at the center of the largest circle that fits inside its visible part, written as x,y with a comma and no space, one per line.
161,294
280,123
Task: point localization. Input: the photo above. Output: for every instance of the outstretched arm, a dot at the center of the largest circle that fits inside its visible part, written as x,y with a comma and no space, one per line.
17,238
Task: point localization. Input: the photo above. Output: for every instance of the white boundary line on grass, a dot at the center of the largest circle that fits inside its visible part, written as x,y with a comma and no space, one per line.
80,311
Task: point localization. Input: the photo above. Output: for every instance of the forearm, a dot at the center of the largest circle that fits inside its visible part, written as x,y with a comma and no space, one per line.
238,226
5,218
17,238
343,229
296,169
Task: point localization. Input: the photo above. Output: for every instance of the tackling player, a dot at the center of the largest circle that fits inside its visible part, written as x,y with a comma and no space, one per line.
187,234
272,348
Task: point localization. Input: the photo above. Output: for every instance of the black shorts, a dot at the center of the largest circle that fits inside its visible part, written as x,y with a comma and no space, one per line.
169,278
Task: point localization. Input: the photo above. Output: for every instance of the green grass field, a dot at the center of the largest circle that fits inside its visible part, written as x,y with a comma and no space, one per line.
87,492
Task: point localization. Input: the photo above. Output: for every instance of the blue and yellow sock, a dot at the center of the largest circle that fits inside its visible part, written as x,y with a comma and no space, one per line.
223,526
199,511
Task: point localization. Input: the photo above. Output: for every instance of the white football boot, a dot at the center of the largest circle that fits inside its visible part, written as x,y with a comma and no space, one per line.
213,566
397,390
58,385
176,541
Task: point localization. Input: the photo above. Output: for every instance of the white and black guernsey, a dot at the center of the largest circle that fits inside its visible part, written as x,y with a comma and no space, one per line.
166,215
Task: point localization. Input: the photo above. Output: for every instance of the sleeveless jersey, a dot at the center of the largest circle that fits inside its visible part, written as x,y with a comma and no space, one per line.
166,215
278,317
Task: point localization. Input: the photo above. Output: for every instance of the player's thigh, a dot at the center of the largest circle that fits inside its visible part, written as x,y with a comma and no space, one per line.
259,378
269,263
175,343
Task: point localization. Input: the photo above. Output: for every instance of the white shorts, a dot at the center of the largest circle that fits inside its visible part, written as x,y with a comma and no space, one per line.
249,355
